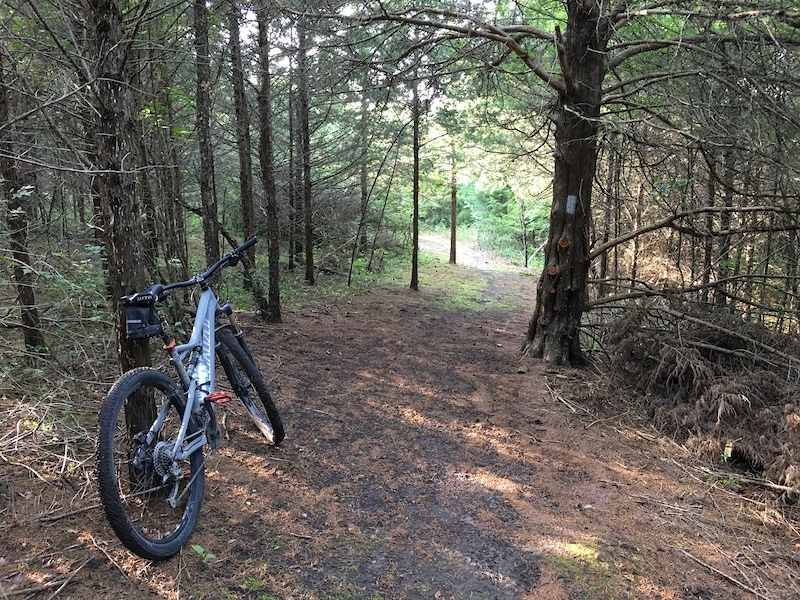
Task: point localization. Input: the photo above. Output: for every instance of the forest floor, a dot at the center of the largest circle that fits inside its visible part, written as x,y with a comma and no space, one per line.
424,458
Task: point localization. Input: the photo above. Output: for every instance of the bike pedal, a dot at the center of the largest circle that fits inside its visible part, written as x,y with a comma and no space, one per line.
220,397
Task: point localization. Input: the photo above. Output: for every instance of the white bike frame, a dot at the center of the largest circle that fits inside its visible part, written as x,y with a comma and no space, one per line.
197,378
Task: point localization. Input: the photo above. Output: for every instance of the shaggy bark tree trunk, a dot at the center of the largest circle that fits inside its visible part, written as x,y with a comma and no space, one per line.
305,147
243,144
208,197
265,154
553,332
17,221
113,196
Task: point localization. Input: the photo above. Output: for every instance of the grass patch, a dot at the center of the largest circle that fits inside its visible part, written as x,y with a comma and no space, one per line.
451,287
454,287
591,576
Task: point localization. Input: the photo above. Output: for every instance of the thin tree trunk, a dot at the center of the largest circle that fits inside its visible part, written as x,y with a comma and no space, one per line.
16,196
415,195
294,183
454,206
708,243
360,241
362,168
691,175
177,245
637,222
208,198
151,224
723,253
381,214
305,142
748,289
766,265
268,172
610,199
789,300
524,230
243,143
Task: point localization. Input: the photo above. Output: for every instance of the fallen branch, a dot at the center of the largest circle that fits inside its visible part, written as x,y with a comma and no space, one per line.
556,396
792,360
722,574
59,516
70,578
31,469
42,588
738,353
745,479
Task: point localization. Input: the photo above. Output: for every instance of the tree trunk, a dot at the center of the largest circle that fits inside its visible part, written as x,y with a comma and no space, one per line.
708,240
360,241
294,184
362,172
723,253
553,333
305,151
203,110
454,205
243,144
150,221
637,241
523,225
268,173
415,194
15,196
610,199
175,227
120,215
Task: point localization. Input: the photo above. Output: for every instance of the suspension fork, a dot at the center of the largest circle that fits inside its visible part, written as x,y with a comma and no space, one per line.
237,330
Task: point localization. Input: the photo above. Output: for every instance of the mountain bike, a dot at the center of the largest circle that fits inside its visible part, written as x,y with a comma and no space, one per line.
153,428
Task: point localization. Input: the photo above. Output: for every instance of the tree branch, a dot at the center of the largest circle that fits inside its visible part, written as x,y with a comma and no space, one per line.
670,219
424,18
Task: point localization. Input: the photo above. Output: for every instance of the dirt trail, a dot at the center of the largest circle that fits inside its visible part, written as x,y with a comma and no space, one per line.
424,459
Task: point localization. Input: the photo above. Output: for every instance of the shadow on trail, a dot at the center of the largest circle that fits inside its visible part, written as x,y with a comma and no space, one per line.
393,467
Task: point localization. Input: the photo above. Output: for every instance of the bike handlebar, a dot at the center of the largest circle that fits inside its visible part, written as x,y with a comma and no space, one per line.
229,260
158,292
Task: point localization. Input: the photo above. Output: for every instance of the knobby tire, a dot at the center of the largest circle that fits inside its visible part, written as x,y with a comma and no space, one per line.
134,497
248,385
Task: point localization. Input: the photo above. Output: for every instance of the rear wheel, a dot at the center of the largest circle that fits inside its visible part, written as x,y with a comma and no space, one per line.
245,381
152,500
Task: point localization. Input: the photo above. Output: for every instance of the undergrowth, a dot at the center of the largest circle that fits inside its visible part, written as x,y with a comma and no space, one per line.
722,387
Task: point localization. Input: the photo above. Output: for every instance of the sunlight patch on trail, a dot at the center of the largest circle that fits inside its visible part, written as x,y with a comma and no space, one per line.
489,480
468,254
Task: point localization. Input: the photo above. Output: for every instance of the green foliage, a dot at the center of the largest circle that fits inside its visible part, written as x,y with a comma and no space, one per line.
204,554
252,584
494,216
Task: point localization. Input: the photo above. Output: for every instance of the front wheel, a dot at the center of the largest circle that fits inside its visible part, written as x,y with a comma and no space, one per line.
245,380
151,499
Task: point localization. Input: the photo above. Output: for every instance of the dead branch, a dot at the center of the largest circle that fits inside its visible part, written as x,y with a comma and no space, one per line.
723,574
64,515
681,315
